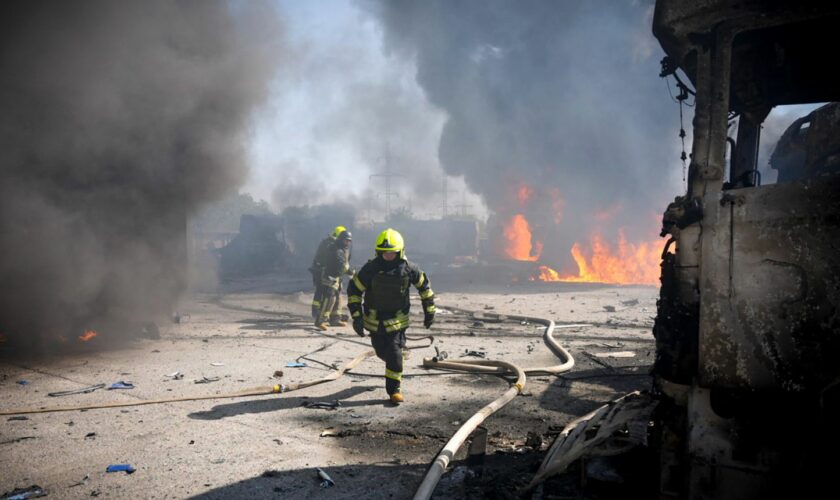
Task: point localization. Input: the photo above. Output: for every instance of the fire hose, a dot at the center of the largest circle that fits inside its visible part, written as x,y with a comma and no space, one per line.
255,391
441,461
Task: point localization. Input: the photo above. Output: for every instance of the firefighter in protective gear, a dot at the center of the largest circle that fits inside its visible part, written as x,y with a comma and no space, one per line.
377,297
335,264
317,267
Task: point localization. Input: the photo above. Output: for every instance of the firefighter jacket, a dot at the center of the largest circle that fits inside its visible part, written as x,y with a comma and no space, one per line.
379,293
334,263
321,255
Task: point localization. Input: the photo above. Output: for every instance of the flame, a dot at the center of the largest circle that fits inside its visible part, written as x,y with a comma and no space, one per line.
89,334
630,264
524,193
518,235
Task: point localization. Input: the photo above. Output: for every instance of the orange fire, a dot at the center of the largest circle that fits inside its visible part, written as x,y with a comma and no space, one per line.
89,334
518,235
629,264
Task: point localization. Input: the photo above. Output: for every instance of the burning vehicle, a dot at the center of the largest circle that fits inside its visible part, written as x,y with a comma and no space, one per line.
748,326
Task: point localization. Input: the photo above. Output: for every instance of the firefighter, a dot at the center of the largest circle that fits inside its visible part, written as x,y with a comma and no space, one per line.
321,256
377,297
336,264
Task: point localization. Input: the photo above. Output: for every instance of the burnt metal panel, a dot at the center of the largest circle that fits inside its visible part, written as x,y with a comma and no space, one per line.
769,316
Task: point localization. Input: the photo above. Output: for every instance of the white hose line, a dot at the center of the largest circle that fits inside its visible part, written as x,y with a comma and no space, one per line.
548,337
437,468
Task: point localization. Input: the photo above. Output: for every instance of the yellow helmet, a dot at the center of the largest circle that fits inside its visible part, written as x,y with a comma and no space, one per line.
390,240
338,230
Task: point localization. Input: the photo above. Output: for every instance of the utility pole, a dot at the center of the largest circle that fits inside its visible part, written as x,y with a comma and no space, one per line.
387,174
444,197
463,205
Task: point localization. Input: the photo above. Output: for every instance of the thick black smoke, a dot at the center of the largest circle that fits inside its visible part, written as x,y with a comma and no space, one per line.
559,95
119,118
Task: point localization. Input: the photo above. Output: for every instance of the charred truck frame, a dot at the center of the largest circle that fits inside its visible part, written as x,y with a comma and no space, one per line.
748,321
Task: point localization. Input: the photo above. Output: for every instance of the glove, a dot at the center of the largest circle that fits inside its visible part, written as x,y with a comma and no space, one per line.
358,326
428,319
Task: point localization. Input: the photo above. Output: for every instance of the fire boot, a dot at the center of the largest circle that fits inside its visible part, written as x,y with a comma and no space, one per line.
321,326
397,398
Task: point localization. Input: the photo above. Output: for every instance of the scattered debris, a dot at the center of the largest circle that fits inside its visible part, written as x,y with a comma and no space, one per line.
82,482
217,364
23,382
489,307
609,309
295,364
127,468
33,491
327,481
523,322
322,404
598,361
175,375
17,440
83,390
478,324
534,440
207,380
90,435
121,385
477,354
20,417
615,354
628,303
278,373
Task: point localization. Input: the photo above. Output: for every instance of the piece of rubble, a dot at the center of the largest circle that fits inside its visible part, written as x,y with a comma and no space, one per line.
631,302
326,479
207,380
615,354
83,390
33,491
609,309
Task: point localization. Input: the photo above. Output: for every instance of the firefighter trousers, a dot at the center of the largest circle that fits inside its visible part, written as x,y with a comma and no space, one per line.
389,348
328,301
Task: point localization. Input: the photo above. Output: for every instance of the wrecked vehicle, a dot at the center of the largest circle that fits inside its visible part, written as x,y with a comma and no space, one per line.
748,321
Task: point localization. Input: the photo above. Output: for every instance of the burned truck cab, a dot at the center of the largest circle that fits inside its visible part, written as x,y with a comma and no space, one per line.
748,322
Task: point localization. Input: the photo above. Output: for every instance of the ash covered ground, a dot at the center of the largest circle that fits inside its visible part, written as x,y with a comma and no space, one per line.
271,446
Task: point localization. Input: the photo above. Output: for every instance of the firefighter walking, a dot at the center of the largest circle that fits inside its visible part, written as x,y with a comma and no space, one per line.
377,297
332,261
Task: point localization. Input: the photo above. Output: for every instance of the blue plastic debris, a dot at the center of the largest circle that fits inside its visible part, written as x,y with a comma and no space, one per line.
121,385
295,364
127,468
23,382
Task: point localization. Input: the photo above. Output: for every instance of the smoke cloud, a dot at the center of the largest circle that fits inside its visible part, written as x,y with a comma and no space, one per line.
562,97
119,119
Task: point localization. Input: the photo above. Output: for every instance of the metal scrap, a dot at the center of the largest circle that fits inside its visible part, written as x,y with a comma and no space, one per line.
322,404
207,380
83,390
327,480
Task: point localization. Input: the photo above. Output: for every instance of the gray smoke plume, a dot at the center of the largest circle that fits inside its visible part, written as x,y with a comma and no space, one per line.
561,96
119,119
